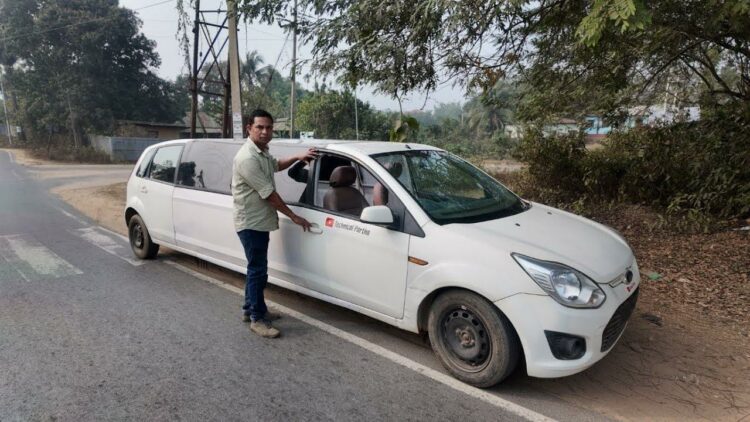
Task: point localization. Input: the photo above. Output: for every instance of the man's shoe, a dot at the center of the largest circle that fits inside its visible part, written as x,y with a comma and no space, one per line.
270,316
264,328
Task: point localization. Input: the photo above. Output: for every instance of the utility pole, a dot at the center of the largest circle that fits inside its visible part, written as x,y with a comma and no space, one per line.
294,70
234,71
213,79
194,79
5,108
2,89
356,116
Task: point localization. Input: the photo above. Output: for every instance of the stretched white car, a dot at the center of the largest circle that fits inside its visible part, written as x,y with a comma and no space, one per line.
413,236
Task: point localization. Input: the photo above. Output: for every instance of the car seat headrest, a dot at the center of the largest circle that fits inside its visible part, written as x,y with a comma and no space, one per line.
343,176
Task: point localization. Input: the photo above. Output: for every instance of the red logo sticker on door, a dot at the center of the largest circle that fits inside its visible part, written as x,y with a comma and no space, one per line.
329,222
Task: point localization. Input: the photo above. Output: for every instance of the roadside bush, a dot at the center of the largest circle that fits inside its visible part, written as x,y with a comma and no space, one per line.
86,154
698,169
555,162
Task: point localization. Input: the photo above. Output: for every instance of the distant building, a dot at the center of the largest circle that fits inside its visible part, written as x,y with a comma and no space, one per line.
131,137
596,128
205,127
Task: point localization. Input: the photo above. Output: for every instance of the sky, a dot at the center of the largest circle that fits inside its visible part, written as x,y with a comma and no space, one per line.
160,25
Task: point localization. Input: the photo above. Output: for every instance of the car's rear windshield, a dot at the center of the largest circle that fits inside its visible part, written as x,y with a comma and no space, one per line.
449,189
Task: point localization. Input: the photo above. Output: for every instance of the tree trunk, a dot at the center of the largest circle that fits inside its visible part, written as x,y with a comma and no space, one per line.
73,124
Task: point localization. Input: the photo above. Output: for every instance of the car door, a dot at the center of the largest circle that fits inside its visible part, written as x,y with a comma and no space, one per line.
202,199
360,263
289,248
156,190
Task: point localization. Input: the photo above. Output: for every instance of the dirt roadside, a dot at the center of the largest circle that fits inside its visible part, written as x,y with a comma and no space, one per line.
684,355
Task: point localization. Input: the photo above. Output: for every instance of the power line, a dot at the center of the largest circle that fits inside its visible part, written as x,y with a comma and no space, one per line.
13,37
270,74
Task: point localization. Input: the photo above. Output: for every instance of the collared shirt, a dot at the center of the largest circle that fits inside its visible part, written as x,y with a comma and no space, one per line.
252,184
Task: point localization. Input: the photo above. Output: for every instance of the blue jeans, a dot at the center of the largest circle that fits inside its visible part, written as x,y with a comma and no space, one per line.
255,244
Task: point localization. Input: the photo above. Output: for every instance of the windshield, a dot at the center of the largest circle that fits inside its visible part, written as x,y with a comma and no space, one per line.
449,189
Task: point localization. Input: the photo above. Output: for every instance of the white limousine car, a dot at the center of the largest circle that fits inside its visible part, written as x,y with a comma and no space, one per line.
413,236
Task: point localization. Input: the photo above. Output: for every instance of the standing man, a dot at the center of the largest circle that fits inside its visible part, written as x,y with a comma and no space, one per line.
255,205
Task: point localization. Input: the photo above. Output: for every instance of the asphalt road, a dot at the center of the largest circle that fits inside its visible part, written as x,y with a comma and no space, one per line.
89,333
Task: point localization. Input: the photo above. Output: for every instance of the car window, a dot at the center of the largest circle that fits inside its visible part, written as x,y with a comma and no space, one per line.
164,163
369,185
292,184
396,165
339,186
208,165
143,166
326,165
449,189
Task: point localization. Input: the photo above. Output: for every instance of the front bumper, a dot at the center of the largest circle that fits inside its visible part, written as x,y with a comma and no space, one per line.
531,315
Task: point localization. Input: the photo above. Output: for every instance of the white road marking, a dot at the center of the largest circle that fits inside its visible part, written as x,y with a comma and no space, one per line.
10,267
105,242
440,377
32,259
123,237
78,220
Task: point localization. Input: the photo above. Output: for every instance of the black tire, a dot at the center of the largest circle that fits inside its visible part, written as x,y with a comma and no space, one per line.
140,241
474,341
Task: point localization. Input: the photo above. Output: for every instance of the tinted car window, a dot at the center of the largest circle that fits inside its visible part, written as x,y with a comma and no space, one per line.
164,163
143,167
208,165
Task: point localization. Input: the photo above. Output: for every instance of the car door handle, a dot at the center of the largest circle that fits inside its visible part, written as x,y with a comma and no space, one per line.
315,229
144,189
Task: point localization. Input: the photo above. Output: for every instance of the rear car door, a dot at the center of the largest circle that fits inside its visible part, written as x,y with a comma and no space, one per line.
202,201
155,191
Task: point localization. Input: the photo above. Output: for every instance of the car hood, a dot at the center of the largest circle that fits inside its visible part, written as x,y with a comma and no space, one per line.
551,234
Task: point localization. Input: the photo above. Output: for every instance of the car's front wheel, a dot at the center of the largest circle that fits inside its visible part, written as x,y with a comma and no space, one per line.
472,339
140,240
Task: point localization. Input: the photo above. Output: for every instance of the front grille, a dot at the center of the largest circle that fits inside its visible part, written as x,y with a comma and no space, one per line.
615,325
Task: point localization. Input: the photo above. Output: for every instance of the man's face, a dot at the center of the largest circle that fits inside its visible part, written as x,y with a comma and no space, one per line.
261,130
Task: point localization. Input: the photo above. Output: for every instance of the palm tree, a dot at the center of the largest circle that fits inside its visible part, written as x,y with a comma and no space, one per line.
493,110
250,70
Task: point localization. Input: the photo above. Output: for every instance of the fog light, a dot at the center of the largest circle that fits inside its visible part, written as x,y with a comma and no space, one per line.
565,346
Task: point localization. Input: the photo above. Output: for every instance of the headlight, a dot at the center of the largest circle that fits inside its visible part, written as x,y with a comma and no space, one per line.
566,285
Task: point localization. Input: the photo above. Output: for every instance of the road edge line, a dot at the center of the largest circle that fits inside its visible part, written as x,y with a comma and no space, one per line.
444,379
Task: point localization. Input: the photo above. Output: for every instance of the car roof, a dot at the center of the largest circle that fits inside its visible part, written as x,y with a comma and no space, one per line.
349,146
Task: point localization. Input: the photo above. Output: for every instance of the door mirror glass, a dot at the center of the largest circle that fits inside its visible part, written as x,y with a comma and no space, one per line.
377,214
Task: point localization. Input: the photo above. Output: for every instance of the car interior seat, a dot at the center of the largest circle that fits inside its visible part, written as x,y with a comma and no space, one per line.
342,196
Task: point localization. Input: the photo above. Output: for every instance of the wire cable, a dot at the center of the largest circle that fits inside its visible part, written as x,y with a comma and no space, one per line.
13,37
270,74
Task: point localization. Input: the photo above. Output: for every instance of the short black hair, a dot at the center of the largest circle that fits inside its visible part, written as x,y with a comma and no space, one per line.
258,112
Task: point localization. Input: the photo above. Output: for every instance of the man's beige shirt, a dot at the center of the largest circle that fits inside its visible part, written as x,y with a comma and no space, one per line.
252,183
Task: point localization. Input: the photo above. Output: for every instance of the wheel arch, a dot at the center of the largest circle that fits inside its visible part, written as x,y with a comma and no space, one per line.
129,213
428,300
423,311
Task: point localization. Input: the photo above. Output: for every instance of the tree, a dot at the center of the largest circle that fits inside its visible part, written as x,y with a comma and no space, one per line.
580,55
81,64
331,115
262,87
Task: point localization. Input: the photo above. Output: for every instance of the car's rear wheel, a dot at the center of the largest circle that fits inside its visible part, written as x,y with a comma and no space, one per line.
140,240
472,339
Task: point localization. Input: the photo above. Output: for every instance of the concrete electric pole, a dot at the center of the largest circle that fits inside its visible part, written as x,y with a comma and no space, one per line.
294,71
234,71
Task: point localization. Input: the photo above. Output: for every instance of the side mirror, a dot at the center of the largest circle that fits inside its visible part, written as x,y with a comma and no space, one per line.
377,214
